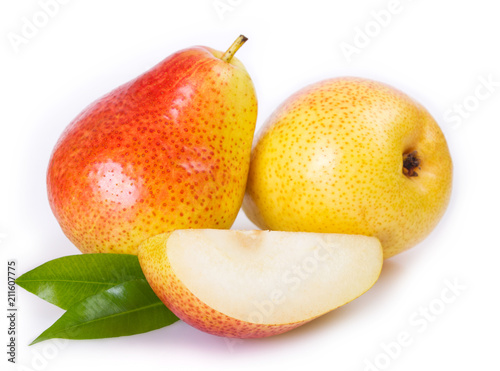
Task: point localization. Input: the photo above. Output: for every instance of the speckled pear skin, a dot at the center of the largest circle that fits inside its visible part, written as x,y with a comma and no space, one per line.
187,307
330,160
169,149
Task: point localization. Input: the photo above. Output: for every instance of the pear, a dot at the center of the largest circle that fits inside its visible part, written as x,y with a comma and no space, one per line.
169,149
251,284
350,155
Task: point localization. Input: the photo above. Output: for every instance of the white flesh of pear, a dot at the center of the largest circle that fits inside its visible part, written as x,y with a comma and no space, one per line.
273,277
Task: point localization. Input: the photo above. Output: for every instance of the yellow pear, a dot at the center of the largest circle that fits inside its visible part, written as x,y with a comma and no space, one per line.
250,284
350,155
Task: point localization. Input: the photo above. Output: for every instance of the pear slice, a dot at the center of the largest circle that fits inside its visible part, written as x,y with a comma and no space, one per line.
249,284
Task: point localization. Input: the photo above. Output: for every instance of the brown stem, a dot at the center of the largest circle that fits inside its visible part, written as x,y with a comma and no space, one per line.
410,163
228,55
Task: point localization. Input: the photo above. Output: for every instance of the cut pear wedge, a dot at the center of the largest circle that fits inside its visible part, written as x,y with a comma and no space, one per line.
250,284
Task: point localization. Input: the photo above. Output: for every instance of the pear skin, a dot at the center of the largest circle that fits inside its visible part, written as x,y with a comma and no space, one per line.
253,284
169,149
350,155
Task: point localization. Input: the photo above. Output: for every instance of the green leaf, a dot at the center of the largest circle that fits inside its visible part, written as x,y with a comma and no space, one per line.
70,279
125,309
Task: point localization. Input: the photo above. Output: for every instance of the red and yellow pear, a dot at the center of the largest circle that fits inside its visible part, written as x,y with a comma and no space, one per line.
169,149
251,284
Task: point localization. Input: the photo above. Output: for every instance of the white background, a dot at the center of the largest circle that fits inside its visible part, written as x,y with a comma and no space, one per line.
440,52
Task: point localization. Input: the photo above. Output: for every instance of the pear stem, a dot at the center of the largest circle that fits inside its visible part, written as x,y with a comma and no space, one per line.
410,163
228,55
